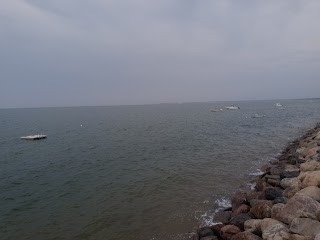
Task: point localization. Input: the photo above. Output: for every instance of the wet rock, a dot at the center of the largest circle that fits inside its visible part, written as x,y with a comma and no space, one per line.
276,170
243,208
261,211
216,229
312,191
280,200
297,206
238,199
305,227
206,232
275,162
273,229
265,168
253,226
228,231
246,236
261,185
272,193
195,237
310,166
240,219
222,216
311,178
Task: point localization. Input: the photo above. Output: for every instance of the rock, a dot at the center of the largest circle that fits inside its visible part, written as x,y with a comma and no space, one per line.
275,162
265,168
254,195
290,182
253,226
290,192
297,206
228,231
240,219
243,208
195,237
312,191
206,232
261,185
276,210
209,238
246,236
261,211
274,182
238,199
276,170
291,174
280,200
222,216
273,230
255,202
299,237
216,229
305,227
311,178
317,237
272,193
310,166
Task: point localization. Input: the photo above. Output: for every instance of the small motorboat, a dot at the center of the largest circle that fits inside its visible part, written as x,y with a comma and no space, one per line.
232,107
258,116
34,137
216,110
278,105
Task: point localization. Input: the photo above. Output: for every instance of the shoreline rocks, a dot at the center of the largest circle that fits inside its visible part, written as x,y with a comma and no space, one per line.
285,201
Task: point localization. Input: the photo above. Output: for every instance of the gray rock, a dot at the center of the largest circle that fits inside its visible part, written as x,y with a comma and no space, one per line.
240,219
206,232
312,191
246,236
273,230
253,226
298,206
305,227
280,200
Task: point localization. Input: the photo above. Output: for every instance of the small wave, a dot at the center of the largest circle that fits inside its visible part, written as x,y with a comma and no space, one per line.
257,173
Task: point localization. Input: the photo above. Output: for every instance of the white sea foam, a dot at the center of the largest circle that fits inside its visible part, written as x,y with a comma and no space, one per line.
257,173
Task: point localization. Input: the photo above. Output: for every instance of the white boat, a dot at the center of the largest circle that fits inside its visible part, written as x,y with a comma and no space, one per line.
258,116
232,107
216,110
34,137
278,105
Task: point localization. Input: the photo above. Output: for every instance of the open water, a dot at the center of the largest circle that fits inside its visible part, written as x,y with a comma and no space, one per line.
134,172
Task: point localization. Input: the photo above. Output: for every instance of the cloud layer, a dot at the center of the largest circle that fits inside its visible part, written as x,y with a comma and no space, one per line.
77,52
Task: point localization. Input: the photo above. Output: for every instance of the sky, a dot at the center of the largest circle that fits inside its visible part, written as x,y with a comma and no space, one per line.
119,52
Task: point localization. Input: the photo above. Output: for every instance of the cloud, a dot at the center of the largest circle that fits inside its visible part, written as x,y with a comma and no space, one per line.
118,52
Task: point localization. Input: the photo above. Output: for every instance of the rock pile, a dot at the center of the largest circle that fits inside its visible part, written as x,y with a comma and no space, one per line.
285,201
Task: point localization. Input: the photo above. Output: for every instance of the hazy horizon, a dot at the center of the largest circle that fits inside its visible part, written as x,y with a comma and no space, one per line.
106,53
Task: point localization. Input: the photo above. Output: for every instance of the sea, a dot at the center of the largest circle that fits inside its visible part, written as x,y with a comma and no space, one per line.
146,172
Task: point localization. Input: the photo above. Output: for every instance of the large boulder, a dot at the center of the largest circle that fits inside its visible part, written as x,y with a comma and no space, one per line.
205,232
311,178
228,231
261,211
273,230
298,206
305,227
312,191
246,236
310,166
253,226
255,202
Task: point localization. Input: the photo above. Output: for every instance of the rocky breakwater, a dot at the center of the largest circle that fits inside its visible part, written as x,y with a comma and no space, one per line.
285,201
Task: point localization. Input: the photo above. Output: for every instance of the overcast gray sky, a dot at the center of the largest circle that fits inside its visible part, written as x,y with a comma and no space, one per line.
100,52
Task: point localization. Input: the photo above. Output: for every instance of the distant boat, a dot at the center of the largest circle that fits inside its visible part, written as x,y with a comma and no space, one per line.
216,110
34,137
281,108
258,116
278,105
232,107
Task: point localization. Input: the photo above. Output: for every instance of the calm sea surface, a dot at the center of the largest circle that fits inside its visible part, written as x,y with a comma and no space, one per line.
134,172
